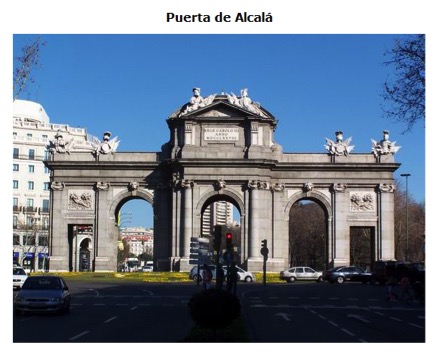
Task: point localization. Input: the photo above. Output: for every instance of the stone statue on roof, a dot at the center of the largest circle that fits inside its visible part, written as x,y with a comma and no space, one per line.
385,146
340,147
197,101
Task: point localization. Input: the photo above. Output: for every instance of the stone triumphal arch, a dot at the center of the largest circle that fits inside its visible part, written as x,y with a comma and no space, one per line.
221,147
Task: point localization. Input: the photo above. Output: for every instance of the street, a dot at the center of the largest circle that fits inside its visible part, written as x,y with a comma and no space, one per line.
299,312
311,312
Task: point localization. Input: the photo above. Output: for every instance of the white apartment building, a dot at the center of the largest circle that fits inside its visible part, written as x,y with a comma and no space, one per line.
139,239
32,133
218,213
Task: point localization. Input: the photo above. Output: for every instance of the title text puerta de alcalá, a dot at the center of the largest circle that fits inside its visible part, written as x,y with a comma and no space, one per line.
220,17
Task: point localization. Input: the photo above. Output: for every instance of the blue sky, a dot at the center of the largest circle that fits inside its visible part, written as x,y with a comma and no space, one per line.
313,84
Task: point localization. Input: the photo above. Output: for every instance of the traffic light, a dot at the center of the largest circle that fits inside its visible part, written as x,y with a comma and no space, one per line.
264,250
264,244
229,238
217,238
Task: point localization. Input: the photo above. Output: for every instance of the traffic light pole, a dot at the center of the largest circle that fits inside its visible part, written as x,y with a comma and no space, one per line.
265,254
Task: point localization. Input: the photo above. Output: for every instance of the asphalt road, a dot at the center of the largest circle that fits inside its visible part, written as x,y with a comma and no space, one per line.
323,312
299,312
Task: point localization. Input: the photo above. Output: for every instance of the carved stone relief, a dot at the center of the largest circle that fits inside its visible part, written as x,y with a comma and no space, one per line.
80,200
362,201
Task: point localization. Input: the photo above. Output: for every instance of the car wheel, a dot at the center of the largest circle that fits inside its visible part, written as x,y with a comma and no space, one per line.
340,280
248,279
67,309
320,279
291,279
196,278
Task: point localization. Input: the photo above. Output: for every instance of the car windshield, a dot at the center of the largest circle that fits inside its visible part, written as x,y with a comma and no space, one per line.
37,283
18,271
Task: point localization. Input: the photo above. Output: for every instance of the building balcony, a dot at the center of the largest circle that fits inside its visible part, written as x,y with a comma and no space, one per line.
30,209
43,210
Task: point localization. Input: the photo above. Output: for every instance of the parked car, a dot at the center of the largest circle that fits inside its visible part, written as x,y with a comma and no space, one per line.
147,269
300,273
383,270
43,294
193,274
243,275
19,276
340,274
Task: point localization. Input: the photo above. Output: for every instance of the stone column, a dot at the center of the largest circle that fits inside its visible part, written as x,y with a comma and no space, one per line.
254,220
187,185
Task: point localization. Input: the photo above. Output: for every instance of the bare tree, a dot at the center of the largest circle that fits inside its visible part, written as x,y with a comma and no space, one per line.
26,63
411,244
307,235
406,92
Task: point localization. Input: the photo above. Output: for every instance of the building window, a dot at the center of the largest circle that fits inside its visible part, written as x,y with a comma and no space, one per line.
46,170
46,186
31,168
47,154
42,241
16,153
15,202
29,221
16,240
30,203
15,167
31,154
14,221
45,223
45,207
30,185
29,135
15,184
28,239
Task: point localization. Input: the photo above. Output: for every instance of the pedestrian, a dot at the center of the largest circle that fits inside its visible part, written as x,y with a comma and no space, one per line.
390,288
232,278
405,288
207,277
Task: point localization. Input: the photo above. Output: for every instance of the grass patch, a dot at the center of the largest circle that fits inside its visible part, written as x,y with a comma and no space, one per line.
159,276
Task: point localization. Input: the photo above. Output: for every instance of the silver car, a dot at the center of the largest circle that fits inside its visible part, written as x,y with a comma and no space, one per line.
43,294
300,273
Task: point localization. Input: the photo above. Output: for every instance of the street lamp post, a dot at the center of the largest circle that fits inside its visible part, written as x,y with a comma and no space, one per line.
406,214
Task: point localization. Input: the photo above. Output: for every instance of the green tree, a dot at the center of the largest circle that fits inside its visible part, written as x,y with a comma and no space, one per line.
405,92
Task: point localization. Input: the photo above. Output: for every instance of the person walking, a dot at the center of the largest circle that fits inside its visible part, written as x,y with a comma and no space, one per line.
207,277
232,278
406,295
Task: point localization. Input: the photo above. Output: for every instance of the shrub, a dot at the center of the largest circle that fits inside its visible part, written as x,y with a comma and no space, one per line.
214,309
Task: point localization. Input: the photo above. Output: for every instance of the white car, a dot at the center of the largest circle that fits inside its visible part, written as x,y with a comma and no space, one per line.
243,275
19,277
147,269
300,273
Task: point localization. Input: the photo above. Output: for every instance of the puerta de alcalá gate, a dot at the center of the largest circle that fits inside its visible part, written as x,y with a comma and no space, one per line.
221,148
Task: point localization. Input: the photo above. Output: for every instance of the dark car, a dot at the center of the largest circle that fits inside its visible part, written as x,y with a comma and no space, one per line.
43,293
340,274
391,269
